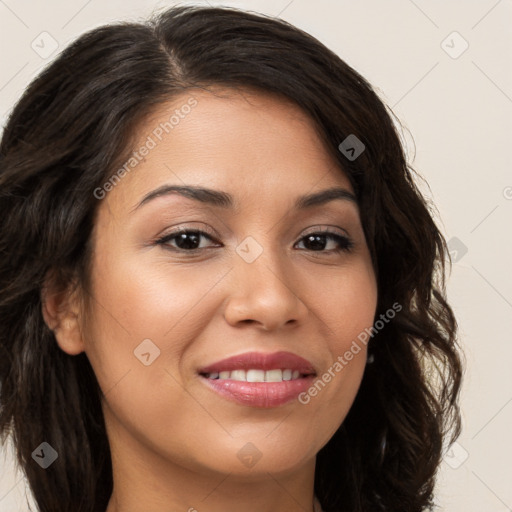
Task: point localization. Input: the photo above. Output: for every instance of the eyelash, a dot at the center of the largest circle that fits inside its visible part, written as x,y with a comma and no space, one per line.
345,243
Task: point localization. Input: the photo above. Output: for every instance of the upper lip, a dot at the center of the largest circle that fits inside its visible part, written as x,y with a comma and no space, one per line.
261,361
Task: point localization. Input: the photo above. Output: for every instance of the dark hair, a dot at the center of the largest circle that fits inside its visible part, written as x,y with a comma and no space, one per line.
69,132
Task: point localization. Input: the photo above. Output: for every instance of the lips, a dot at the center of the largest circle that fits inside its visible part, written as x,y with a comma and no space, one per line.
257,379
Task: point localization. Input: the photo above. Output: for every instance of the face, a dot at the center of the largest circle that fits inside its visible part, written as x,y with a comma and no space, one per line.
194,294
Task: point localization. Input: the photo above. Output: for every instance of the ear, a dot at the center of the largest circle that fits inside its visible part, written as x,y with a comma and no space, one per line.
61,313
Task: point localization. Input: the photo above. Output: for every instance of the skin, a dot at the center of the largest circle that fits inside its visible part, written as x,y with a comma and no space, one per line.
174,442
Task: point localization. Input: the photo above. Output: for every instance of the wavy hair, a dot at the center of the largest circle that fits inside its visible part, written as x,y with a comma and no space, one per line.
65,137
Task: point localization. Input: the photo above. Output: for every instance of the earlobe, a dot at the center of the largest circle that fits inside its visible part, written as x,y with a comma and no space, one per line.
61,314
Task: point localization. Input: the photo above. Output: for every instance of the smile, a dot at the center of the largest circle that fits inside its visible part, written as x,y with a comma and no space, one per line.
257,379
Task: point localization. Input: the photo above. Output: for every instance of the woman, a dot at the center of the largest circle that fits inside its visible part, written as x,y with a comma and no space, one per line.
219,285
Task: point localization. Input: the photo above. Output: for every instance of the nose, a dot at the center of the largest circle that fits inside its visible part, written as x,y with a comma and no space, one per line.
264,293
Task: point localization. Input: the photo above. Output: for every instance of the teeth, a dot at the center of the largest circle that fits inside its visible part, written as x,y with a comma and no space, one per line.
238,375
274,376
256,375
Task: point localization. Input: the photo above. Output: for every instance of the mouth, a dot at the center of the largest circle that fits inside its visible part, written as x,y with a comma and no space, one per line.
255,375
257,379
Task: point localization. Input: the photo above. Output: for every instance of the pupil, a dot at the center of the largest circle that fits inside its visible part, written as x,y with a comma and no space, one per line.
316,241
188,241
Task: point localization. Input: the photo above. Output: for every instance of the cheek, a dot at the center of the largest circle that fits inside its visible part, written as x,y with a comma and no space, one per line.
346,301
144,319
150,299
140,308
346,307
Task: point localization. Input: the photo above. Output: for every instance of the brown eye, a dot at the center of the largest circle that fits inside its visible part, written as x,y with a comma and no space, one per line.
184,240
318,242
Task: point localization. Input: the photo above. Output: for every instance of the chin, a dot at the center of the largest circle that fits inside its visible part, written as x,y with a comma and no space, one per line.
253,461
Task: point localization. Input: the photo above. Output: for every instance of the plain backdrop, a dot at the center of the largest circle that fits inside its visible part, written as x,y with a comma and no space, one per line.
445,69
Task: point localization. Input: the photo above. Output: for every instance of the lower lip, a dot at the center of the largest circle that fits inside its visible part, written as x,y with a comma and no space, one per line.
260,394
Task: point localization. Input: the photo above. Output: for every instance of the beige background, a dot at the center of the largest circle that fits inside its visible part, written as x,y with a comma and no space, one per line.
458,108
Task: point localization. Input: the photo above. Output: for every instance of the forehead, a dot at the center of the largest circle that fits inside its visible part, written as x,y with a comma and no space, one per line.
247,142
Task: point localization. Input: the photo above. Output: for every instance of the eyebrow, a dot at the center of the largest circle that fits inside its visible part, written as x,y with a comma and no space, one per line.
224,200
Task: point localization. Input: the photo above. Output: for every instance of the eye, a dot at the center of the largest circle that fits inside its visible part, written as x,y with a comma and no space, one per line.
188,240
318,241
